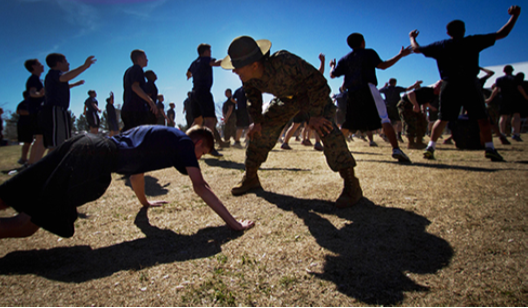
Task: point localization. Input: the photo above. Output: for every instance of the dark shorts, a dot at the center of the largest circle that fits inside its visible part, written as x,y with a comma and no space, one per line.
507,107
455,95
362,113
242,117
24,133
133,119
34,124
202,104
301,117
77,172
55,123
112,125
394,116
93,119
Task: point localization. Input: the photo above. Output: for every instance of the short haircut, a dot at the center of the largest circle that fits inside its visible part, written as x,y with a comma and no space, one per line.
456,28
90,92
53,58
150,75
135,54
198,132
354,40
172,105
519,76
393,81
29,64
508,69
202,48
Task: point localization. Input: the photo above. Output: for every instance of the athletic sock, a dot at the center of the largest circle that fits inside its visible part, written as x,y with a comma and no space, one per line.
432,145
489,145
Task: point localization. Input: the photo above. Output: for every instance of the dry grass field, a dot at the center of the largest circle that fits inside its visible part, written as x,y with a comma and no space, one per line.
448,232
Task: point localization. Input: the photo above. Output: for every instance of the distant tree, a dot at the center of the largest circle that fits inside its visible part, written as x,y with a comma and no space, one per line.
104,121
10,125
81,124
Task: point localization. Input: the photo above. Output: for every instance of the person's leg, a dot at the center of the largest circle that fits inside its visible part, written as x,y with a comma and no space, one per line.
290,131
37,149
516,125
25,151
503,123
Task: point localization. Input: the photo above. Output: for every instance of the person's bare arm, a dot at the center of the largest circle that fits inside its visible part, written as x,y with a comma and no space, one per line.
514,11
321,66
76,84
71,74
203,190
416,85
412,98
139,91
493,94
138,185
523,93
405,51
414,44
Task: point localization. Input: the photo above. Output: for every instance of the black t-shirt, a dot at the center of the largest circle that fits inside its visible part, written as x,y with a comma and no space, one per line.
57,92
424,95
359,68
153,147
34,103
131,101
458,59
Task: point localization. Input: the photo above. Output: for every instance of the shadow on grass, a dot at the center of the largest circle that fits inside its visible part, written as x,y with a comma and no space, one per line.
374,250
152,187
440,166
227,164
82,263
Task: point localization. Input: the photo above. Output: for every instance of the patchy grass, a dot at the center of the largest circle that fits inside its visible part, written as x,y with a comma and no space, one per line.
448,232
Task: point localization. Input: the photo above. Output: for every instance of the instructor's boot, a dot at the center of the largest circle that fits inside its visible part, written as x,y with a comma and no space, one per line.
249,181
352,192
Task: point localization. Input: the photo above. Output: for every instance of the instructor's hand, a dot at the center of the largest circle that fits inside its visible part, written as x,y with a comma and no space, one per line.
254,130
321,125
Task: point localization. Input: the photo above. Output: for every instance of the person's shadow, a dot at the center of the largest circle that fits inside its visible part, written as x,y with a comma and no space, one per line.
375,249
82,263
152,186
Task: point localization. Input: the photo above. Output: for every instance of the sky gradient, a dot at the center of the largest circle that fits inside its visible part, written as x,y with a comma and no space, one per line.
170,31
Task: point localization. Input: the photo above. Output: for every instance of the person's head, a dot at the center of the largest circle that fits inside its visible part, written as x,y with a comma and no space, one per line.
1,111
202,138
151,76
356,40
189,94
34,66
110,101
519,76
245,57
139,57
57,61
456,29
228,93
508,69
204,50
172,105
393,82
161,98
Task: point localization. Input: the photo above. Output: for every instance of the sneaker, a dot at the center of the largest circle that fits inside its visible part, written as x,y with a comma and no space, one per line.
306,142
297,138
428,153
215,153
493,155
504,140
22,161
237,145
448,141
318,146
373,144
517,138
285,146
400,156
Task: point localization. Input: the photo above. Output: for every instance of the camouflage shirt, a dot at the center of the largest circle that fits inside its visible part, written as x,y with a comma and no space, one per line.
287,77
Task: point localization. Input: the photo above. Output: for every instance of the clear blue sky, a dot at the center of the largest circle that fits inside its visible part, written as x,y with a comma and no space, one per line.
170,31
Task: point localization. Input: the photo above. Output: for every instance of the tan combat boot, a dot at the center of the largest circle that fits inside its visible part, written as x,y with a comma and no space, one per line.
249,181
352,192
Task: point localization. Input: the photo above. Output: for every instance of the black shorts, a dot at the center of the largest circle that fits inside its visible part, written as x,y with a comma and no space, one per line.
55,123
24,133
77,172
34,124
202,104
133,119
362,113
300,117
93,119
394,116
455,95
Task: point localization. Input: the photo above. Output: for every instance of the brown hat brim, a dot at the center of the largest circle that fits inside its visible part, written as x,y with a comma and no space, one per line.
264,46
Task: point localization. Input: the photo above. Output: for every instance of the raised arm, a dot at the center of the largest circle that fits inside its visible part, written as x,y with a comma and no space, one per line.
71,74
405,51
414,44
208,196
416,85
322,59
514,11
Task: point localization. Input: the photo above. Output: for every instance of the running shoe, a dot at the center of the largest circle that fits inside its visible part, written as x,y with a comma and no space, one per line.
493,155
285,146
318,146
400,156
517,138
428,153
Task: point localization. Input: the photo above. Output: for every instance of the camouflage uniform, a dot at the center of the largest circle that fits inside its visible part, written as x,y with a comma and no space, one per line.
293,81
414,123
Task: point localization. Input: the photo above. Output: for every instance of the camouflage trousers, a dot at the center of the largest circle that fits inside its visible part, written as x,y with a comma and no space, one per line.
277,115
414,123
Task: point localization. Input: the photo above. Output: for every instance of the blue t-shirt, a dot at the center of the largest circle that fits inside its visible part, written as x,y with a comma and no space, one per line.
153,147
89,105
57,92
131,101
359,68
34,103
458,59
392,95
202,73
